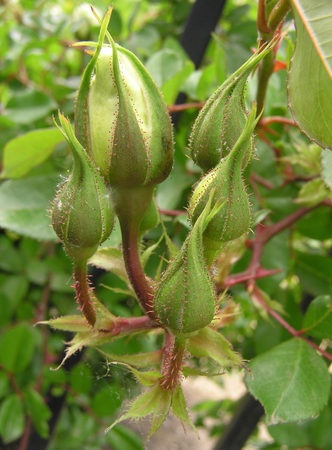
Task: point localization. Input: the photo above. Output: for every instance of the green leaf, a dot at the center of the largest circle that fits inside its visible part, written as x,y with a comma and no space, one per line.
122,438
38,411
13,289
11,418
141,360
318,318
110,259
17,348
13,261
316,224
309,83
315,273
29,106
80,378
312,193
326,164
210,343
107,400
146,378
156,401
24,152
4,385
179,407
291,381
315,433
74,323
169,69
24,206
316,18
171,190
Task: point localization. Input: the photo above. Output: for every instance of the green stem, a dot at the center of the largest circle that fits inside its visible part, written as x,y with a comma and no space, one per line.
261,18
278,14
267,25
130,206
264,72
82,289
173,354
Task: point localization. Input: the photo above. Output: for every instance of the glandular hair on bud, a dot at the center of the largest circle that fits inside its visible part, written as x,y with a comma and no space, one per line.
82,213
222,119
122,120
227,184
185,298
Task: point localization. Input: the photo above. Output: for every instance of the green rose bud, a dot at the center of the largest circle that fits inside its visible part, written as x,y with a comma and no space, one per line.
82,214
226,182
122,121
185,299
220,123
130,129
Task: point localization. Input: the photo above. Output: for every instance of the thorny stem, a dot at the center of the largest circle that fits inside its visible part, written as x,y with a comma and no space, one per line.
173,353
257,295
254,271
83,289
263,235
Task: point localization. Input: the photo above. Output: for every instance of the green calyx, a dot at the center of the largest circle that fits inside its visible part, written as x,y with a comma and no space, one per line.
82,214
220,123
228,187
121,118
185,298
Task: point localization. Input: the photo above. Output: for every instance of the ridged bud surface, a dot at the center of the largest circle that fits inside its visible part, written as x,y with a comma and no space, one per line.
220,123
228,187
185,297
82,214
122,120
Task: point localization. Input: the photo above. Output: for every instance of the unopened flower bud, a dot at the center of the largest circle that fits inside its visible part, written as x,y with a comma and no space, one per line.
82,214
222,119
185,299
225,180
122,120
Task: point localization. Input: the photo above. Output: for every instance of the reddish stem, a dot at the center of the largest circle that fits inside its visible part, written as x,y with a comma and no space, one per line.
83,289
24,441
184,106
278,14
265,122
142,286
173,354
265,233
262,25
260,180
126,325
172,212
257,295
248,275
